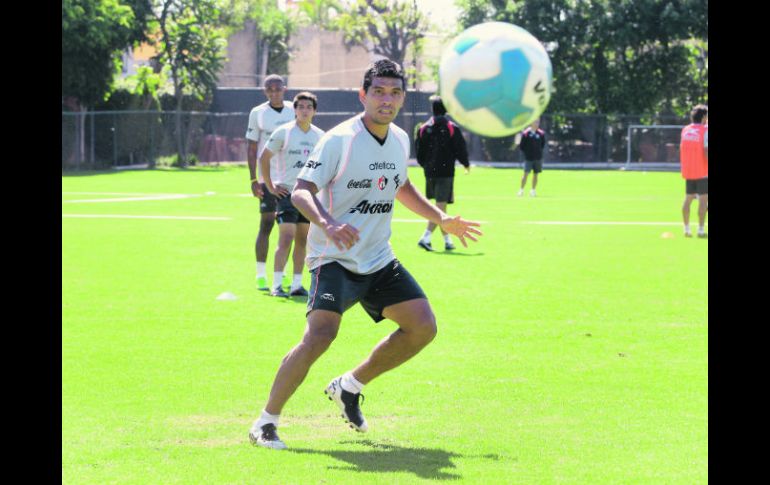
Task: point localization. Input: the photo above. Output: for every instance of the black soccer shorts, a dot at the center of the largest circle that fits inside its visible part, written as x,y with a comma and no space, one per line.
334,288
697,186
286,213
268,201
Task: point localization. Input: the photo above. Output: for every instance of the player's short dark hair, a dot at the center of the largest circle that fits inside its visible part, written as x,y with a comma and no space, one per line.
437,105
308,96
384,68
273,78
698,112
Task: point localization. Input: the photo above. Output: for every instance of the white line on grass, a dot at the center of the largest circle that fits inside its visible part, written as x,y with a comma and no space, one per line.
424,221
133,199
123,216
105,193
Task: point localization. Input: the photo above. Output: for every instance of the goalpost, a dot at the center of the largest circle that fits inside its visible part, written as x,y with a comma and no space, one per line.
653,143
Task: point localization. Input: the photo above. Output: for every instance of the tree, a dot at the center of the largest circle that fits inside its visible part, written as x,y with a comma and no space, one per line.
384,27
191,46
94,33
624,56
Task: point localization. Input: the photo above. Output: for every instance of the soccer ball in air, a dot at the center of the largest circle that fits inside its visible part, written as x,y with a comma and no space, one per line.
495,79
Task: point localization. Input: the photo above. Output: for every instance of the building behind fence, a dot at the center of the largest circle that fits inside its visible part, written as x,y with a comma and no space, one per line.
100,139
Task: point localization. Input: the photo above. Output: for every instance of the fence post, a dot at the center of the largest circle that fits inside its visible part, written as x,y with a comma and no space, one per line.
114,141
628,149
92,151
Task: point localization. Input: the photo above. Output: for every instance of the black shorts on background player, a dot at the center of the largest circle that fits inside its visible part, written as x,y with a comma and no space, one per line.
286,213
697,186
268,201
440,188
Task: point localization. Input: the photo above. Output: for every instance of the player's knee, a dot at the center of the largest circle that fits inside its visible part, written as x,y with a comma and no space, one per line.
426,328
320,338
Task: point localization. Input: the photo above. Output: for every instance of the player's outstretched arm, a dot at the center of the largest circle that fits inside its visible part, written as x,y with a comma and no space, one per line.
303,198
457,226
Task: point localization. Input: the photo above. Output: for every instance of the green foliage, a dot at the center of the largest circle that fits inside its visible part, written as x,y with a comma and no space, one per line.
94,33
387,27
318,12
191,44
629,56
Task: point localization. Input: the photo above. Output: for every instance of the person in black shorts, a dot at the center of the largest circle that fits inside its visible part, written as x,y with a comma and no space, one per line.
283,156
439,143
532,145
263,119
347,190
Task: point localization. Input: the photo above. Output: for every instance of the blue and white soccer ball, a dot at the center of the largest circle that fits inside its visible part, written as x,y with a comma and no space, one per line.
495,79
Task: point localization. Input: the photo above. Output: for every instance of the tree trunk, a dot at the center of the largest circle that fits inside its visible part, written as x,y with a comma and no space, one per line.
78,155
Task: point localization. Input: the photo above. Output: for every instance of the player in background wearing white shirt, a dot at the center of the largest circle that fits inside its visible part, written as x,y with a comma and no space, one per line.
346,191
263,119
284,155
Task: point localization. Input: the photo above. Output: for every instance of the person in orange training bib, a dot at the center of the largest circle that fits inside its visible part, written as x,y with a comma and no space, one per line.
694,159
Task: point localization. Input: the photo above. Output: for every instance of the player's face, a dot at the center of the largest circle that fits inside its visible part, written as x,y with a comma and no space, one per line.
274,92
304,111
383,100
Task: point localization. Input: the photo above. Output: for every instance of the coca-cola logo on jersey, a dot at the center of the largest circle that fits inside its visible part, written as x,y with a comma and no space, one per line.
360,184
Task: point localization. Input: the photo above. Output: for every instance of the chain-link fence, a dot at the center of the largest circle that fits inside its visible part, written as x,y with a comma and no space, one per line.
100,139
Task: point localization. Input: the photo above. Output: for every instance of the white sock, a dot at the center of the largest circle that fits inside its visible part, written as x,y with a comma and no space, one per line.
265,418
447,239
261,269
277,279
687,229
350,384
701,230
296,284
426,236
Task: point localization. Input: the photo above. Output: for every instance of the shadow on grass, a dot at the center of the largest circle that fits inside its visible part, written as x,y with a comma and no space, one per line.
386,458
455,253
284,300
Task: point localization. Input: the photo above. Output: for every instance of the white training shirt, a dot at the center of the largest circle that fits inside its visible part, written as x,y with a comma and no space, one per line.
263,120
357,180
291,147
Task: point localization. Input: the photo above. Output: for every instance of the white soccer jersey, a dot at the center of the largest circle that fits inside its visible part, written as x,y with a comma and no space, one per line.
263,120
357,180
291,147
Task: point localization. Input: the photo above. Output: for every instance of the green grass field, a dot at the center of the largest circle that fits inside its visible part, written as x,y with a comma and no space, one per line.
566,353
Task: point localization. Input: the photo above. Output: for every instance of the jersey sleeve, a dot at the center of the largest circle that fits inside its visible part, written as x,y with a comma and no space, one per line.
276,140
252,131
323,162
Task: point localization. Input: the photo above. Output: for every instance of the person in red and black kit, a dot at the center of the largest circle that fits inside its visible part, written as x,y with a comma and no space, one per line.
532,144
439,142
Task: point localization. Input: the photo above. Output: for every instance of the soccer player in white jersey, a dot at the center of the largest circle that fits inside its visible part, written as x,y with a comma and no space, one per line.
284,155
347,191
263,119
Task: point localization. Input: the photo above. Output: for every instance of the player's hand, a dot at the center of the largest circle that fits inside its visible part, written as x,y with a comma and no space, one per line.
467,170
279,190
344,236
457,226
256,189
